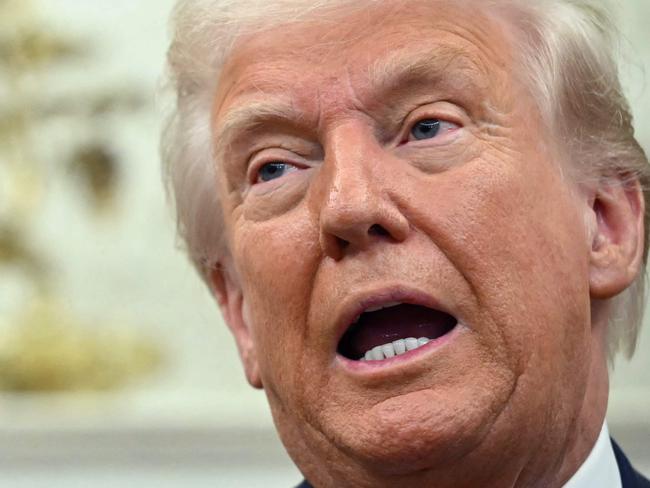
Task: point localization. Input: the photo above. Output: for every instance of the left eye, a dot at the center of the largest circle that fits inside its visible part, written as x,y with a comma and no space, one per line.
425,129
274,170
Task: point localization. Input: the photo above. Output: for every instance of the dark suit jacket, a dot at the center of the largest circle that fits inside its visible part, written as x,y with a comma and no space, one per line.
629,477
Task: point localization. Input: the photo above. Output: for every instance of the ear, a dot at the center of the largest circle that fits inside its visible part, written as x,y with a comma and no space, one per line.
235,312
617,237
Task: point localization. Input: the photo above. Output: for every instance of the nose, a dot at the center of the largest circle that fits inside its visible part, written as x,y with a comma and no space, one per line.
359,206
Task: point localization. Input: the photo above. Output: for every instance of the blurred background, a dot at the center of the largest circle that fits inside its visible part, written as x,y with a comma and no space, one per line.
115,367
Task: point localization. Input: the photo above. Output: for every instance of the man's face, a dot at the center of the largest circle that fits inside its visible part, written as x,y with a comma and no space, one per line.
387,157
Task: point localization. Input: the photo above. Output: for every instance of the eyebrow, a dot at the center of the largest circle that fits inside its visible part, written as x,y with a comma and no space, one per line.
385,75
251,114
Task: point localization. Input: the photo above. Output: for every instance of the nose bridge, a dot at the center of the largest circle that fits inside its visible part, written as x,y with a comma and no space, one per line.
352,177
356,207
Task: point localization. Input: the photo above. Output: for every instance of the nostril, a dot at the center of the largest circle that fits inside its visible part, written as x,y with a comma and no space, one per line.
377,230
342,243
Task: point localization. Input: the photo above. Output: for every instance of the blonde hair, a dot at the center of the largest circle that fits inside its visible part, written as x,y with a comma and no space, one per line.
568,56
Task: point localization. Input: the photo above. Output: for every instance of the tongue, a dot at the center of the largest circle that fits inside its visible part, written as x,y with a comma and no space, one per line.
391,324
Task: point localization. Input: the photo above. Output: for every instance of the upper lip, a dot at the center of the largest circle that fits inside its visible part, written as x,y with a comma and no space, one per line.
357,303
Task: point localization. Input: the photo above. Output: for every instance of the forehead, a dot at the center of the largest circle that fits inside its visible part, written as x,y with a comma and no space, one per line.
346,55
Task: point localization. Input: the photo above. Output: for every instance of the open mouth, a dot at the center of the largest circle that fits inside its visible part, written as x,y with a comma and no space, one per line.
392,330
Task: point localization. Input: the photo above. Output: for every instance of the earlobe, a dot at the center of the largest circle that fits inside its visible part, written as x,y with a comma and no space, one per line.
235,313
617,237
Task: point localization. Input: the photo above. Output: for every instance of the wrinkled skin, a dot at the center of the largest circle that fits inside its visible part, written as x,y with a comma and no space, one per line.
479,218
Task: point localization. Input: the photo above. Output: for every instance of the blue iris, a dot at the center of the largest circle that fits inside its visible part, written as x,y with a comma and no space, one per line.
271,171
425,129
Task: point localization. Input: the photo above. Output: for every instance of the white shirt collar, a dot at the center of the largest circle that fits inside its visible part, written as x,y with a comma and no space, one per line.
600,469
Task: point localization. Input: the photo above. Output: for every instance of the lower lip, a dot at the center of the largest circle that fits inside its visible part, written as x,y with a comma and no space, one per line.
407,357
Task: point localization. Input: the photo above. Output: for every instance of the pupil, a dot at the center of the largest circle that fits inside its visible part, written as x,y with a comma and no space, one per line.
271,170
426,129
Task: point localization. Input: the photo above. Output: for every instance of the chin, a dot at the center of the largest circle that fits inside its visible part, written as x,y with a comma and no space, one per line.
411,432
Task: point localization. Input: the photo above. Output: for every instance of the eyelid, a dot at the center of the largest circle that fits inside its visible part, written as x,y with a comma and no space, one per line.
256,162
443,111
443,130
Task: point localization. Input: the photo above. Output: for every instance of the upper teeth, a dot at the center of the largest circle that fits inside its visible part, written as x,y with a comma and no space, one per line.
394,348
385,305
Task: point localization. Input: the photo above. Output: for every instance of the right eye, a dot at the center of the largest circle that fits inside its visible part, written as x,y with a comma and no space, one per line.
431,128
273,170
425,129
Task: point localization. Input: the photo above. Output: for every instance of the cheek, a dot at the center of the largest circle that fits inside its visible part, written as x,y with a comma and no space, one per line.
512,229
544,264
276,260
529,225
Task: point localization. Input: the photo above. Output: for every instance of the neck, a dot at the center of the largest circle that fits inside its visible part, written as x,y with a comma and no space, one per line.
562,452
592,415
